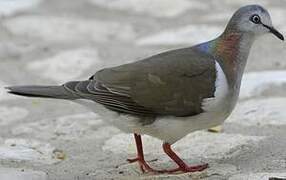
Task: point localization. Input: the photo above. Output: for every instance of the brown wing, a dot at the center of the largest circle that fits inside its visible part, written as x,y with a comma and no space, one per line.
171,83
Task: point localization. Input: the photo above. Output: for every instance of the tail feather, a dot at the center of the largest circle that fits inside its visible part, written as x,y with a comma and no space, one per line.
58,92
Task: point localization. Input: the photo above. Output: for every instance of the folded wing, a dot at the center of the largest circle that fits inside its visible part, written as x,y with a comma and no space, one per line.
171,83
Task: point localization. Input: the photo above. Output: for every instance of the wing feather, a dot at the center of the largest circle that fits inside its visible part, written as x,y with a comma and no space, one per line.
172,83
93,90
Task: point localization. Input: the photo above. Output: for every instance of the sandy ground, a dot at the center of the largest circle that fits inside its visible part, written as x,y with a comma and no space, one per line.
53,41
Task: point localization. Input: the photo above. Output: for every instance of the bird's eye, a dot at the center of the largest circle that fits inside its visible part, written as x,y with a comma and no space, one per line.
255,19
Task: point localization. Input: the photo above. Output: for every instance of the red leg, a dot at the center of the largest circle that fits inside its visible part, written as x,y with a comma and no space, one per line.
182,165
167,148
141,160
140,155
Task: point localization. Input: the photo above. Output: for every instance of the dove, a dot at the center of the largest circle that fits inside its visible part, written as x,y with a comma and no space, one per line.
171,94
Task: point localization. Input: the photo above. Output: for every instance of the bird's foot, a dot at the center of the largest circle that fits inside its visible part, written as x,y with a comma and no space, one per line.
193,168
143,165
146,168
185,169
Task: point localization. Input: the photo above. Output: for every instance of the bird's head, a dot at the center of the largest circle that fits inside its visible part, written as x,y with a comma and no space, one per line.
252,19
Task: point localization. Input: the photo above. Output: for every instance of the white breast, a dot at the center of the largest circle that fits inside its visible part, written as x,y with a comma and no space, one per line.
221,90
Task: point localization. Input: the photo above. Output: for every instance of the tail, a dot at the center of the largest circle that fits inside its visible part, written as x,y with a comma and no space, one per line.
58,92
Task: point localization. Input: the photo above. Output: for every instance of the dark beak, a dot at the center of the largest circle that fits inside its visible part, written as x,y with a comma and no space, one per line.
275,32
